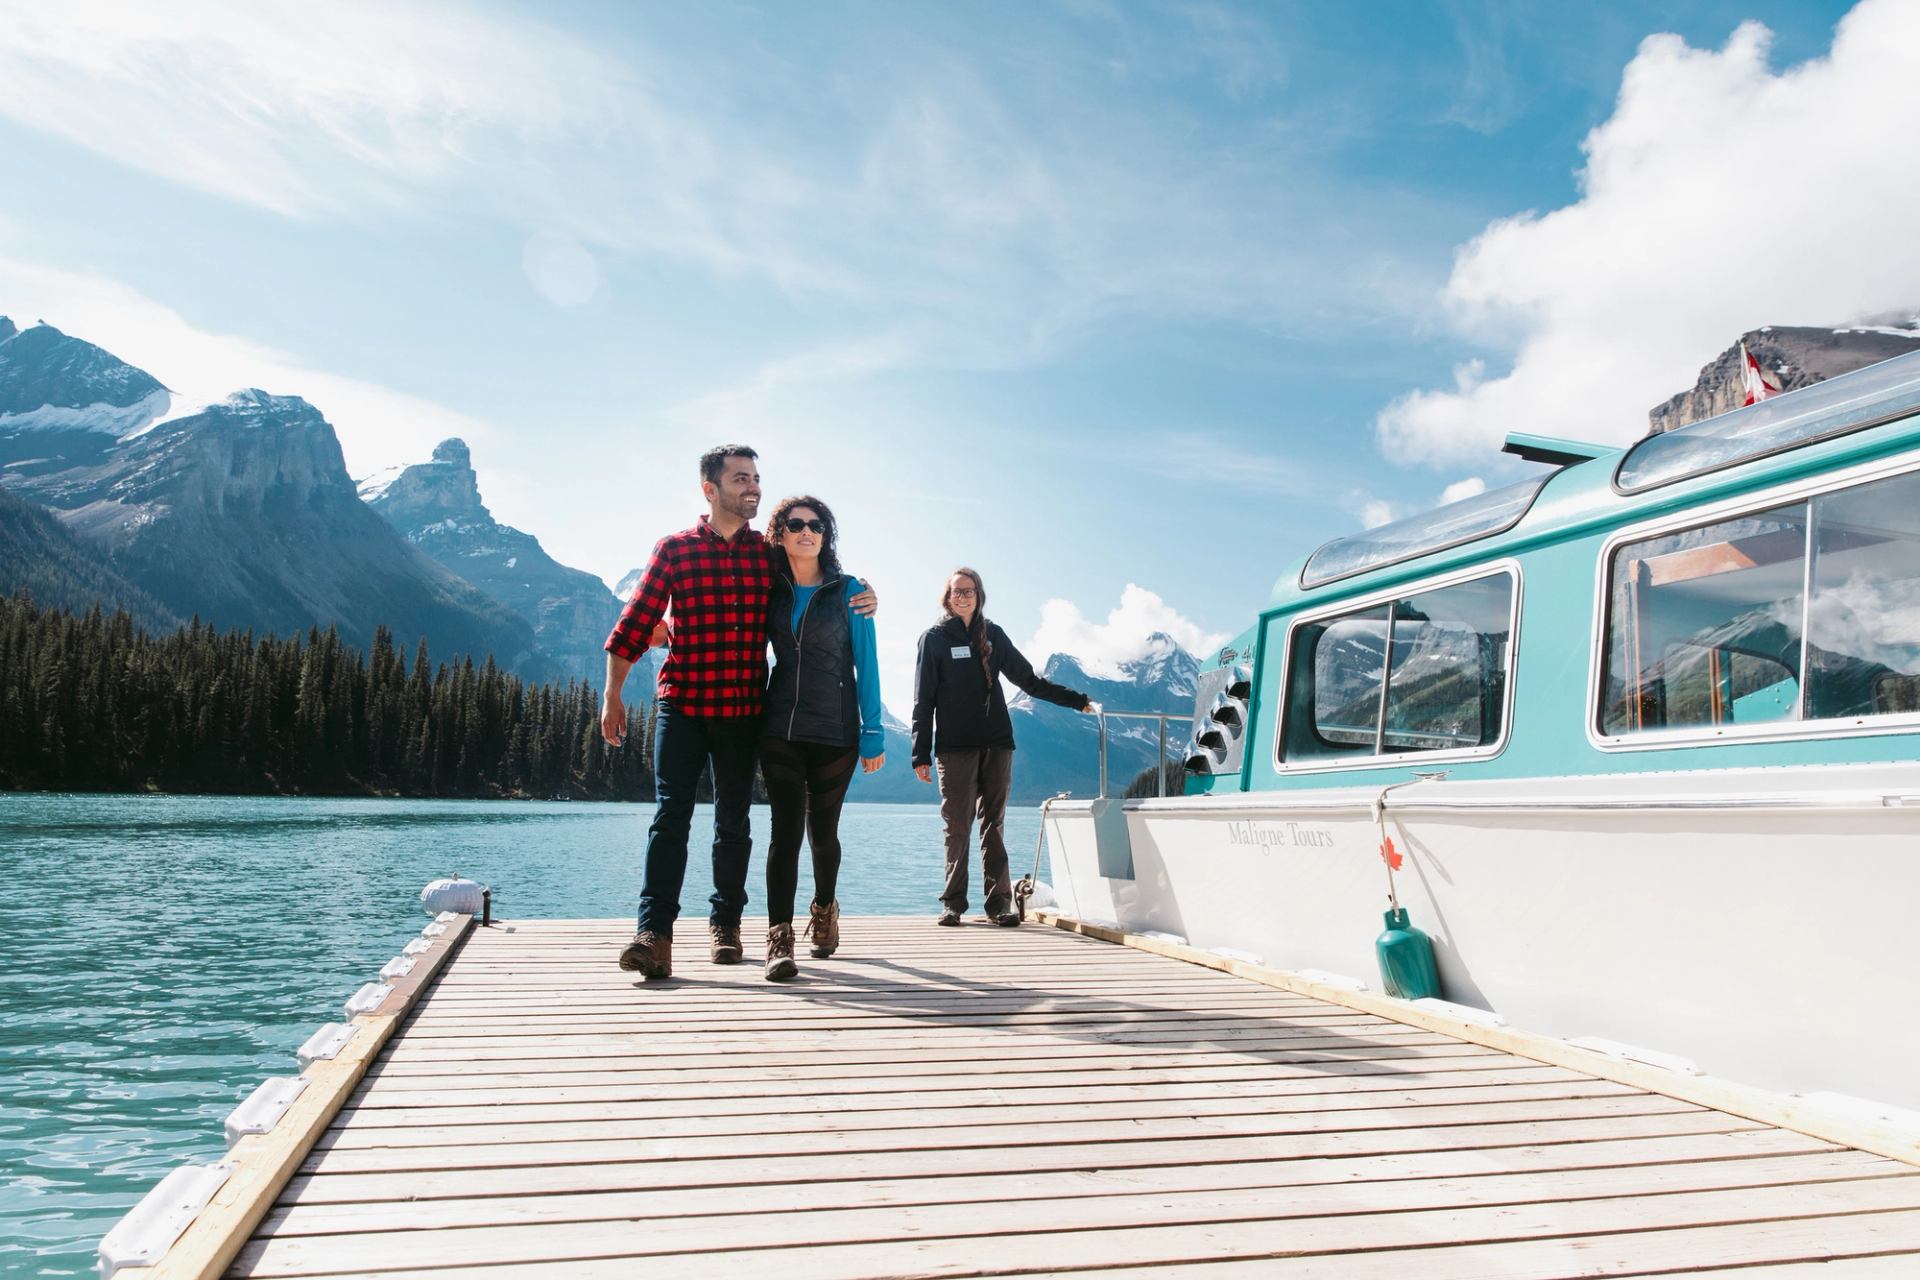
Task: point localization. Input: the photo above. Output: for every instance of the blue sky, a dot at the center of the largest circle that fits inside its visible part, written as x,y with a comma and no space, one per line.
1127,305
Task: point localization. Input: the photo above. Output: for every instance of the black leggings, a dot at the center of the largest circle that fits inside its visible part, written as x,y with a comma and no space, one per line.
806,784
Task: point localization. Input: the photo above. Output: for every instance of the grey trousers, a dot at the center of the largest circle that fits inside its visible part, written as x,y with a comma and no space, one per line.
973,783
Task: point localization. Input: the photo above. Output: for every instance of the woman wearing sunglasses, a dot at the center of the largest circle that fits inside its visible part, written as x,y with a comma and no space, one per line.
960,723
823,713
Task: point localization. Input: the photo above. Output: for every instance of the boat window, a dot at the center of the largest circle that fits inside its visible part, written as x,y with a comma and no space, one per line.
1480,516
1424,673
1695,612
1850,402
1449,667
1715,626
1863,622
1342,661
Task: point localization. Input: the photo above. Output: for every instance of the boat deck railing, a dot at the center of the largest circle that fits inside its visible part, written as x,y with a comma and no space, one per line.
1160,762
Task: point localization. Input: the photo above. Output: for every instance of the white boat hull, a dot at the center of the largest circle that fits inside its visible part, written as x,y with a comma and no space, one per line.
1759,923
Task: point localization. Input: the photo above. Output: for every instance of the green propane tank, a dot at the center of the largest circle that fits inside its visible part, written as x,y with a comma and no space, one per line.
1406,959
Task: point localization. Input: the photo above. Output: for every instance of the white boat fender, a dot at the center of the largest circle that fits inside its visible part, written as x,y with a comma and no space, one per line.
453,893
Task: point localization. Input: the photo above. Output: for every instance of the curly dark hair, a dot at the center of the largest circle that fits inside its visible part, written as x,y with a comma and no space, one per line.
829,541
977,629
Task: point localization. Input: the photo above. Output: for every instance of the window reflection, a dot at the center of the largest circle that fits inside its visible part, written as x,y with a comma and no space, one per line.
1705,627
1438,660
1863,624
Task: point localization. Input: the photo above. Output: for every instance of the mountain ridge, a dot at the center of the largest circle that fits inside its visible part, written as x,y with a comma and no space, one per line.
436,506
242,513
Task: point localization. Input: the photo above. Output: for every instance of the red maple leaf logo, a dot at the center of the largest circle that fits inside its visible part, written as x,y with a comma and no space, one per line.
1390,855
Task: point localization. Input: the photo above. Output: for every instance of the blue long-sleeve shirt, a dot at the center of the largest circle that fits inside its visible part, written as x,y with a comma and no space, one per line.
866,666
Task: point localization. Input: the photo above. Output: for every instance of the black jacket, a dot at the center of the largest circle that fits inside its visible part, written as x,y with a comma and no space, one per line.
950,689
811,695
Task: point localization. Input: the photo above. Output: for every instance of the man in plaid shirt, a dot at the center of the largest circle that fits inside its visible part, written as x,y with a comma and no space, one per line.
716,578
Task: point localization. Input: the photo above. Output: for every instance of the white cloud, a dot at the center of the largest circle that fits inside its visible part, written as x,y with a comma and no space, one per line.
1719,197
297,109
378,426
994,217
1375,512
1102,647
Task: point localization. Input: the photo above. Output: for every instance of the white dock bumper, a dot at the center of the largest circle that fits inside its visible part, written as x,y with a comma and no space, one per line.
143,1237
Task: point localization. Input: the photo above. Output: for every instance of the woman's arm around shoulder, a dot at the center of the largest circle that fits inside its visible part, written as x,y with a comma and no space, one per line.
866,683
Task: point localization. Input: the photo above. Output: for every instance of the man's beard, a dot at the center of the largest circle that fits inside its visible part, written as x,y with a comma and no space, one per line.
740,505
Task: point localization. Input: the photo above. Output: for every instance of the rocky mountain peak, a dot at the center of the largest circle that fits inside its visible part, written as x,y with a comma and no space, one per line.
1165,667
251,452
50,381
1790,357
454,451
254,407
436,506
440,489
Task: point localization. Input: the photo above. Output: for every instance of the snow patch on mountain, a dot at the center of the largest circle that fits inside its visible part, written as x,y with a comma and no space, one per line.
374,487
52,382
119,421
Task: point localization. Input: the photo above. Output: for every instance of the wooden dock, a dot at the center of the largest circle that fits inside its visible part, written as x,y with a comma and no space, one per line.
955,1102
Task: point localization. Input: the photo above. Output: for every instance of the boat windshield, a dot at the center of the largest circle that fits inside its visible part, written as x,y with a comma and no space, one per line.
1850,402
1480,516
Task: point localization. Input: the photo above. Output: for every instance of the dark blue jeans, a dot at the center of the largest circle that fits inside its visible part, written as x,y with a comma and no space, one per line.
683,745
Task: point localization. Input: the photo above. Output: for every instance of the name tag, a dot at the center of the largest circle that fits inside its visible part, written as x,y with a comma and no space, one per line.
962,651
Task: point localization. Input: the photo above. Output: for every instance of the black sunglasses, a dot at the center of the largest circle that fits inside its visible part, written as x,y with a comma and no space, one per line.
795,524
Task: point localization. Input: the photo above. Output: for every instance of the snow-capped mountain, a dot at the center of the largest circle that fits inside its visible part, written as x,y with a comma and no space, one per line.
1059,749
50,382
436,506
242,514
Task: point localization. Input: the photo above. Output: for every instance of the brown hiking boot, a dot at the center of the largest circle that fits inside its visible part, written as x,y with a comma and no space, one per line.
823,926
726,943
650,955
780,965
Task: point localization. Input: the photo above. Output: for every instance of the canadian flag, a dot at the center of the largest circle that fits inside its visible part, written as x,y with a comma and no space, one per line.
1752,381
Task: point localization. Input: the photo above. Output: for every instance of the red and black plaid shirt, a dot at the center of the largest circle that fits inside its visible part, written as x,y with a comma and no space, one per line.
717,662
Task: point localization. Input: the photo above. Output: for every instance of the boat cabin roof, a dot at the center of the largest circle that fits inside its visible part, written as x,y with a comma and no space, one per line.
1848,418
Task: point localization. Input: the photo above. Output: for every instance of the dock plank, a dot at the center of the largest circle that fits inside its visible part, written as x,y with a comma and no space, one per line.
984,1101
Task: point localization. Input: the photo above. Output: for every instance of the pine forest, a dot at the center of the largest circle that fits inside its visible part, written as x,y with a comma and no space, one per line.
93,703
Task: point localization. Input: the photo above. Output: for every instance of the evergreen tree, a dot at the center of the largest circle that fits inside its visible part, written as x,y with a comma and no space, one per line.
93,703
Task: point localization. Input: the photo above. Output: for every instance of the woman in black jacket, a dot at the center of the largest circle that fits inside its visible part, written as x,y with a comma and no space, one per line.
961,726
823,712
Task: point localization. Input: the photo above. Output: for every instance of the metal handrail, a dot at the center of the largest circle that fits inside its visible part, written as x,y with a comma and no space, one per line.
1160,765
1023,888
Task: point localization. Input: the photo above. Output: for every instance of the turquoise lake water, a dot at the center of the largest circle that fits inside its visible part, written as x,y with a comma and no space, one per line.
165,954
